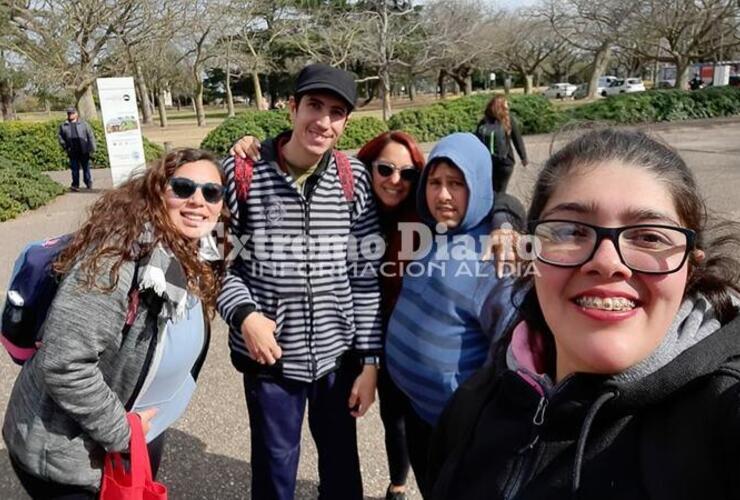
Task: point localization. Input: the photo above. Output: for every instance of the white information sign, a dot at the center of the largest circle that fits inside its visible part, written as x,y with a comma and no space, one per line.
121,125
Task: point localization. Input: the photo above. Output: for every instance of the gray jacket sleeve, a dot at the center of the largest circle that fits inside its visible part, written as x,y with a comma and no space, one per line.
90,137
61,138
81,324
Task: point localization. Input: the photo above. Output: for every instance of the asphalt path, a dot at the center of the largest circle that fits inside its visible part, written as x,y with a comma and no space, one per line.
207,453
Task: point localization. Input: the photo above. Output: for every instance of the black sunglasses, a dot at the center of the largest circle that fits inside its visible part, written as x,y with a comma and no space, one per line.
184,188
408,173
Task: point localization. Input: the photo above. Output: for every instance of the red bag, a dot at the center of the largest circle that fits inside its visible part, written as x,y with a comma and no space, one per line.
137,482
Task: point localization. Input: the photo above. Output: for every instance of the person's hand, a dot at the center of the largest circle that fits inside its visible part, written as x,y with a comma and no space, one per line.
362,395
146,416
259,335
246,146
525,163
502,249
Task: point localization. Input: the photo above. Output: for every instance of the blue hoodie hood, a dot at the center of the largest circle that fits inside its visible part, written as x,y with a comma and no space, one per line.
467,153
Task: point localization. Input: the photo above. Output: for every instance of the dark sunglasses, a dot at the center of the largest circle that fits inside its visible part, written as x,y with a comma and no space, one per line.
184,188
409,173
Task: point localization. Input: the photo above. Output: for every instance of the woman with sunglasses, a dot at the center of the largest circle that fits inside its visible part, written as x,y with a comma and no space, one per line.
621,378
127,331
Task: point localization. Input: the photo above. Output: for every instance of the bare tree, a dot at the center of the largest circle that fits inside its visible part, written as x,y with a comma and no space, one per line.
459,34
68,38
592,26
685,31
204,21
525,44
264,25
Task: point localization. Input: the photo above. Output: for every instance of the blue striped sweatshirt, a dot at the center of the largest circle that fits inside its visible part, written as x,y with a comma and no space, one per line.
452,305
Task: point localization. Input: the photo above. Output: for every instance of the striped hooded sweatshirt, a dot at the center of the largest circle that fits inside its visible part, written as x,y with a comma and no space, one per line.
299,262
452,305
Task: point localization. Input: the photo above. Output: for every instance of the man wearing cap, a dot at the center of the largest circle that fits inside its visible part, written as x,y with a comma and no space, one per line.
301,297
77,139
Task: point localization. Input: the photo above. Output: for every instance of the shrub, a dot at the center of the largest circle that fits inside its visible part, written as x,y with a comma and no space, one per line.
22,188
35,145
661,105
534,114
360,130
261,124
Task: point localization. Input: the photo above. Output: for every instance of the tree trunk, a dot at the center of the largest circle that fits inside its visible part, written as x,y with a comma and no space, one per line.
385,92
86,103
412,89
141,89
441,84
6,100
229,95
528,85
162,109
682,73
598,68
200,114
468,85
259,101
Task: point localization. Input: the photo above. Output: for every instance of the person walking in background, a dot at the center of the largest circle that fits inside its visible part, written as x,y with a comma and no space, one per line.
304,313
127,331
498,130
78,141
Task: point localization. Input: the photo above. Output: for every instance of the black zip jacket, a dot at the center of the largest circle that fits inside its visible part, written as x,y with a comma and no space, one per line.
493,135
674,434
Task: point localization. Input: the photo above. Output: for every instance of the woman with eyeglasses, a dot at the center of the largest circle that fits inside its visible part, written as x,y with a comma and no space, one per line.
127,331
621,378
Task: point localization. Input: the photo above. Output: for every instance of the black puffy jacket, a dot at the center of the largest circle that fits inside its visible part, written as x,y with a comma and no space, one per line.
674,434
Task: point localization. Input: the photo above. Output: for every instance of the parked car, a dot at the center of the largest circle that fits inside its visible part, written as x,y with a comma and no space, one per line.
581,91
560,90
604,81
624,86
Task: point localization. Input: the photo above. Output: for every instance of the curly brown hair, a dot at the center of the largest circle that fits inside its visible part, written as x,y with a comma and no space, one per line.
117,220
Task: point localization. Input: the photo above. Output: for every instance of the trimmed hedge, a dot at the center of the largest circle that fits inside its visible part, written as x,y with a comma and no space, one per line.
359,131
661,105
35,145
265,124
22,188
261,124
534,113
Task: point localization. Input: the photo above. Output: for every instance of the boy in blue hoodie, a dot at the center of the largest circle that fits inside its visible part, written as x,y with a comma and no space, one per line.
452,306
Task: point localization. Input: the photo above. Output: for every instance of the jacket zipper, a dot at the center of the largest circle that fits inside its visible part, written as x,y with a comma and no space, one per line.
525,455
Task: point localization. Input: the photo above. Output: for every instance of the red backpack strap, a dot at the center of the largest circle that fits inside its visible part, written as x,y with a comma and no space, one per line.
344,169
243,171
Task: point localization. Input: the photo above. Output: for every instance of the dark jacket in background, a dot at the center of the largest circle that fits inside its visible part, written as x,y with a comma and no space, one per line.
71,132
674,434
498,143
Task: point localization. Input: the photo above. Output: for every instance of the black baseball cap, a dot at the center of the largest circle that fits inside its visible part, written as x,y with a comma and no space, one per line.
324,77
71,110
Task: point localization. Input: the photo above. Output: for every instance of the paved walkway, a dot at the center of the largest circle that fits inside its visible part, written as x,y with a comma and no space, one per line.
207,456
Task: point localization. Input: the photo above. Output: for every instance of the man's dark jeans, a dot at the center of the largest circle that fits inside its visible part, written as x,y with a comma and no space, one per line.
77,162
